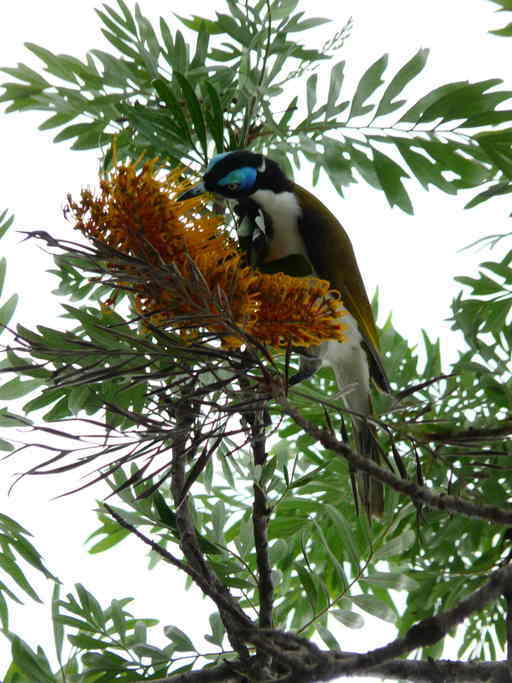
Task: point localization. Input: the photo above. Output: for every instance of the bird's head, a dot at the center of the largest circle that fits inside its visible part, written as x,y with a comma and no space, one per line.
238,174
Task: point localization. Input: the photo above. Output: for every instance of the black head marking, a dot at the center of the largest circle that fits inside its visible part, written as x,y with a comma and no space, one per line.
240,173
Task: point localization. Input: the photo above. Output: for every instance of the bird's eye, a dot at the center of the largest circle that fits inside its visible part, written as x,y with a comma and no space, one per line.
233,187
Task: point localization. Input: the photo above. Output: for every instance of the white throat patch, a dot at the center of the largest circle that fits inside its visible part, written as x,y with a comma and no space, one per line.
284,211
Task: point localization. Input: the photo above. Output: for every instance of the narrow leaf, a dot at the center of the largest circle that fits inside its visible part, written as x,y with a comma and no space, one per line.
390,176
368,84
406,74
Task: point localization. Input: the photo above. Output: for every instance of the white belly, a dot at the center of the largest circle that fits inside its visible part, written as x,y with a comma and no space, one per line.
349,363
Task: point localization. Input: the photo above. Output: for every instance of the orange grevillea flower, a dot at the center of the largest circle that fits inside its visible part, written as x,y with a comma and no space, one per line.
202,279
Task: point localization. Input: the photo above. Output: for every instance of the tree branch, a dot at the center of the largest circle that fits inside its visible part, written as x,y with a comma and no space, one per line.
189,544
420,671
301,661
208,589
416,492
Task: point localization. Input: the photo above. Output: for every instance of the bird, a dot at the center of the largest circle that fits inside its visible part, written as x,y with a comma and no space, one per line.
282,223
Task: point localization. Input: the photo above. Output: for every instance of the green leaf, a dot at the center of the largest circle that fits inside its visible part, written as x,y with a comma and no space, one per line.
368,84
77,129
424,169
415,113
348,618
58,628
54,63
109,541
328,638
215,118
7,311
396,581
154,653
306,24
498,146
374,606
406,74
218,630
32,665
86,642
3,269
195,111
16,388
457,103
58,119
506,31
390,176
237,31
10,567
335,83
481,287
396,546
181,641
311,84
5,223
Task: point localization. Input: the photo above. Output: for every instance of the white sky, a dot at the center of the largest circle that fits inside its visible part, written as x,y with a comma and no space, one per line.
412,259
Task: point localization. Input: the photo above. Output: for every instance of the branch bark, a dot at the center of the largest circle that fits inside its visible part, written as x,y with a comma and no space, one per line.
418,493
420,671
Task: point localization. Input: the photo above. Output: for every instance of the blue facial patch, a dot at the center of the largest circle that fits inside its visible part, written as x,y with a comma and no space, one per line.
244,177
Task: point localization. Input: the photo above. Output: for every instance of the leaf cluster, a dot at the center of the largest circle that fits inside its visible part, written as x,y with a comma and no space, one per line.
448,429
156,96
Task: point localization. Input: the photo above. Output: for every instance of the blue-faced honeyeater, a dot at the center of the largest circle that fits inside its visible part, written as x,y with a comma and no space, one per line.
283,221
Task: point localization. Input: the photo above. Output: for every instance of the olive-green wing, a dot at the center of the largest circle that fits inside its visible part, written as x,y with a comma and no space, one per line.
332,256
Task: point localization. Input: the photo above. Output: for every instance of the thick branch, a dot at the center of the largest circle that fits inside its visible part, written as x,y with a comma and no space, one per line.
415,671
416,492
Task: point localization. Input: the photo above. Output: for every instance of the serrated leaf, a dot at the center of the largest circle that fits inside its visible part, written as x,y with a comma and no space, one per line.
54,64
415,113
425,170
456,103
406,74
368,84
390,176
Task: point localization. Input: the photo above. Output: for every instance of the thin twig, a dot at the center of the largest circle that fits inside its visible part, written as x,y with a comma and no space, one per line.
406,486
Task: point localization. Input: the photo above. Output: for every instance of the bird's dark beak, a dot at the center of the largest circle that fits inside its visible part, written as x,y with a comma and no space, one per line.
194,191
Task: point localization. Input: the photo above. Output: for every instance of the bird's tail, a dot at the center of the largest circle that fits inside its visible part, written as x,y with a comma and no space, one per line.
370,491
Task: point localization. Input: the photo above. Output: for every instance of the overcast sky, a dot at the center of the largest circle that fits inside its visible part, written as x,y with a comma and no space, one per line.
411,259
